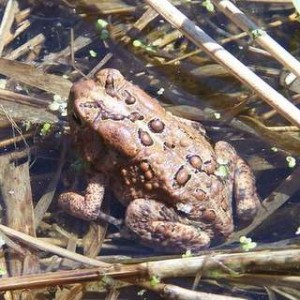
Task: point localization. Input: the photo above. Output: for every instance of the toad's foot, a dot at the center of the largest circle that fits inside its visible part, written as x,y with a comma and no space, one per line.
243,181
159,226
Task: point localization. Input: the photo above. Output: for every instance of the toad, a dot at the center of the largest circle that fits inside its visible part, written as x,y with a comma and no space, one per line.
179,191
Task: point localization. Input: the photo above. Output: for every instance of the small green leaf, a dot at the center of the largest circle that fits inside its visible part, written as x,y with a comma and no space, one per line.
208,5
255,33
222,171
137,44
45,129
247,244
291,161
93,53
101,24
154,280
245,240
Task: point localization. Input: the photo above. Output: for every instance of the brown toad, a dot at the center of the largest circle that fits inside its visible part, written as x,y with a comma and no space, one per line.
159,166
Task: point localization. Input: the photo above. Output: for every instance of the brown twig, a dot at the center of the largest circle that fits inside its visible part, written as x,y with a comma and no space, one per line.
15,139
26,47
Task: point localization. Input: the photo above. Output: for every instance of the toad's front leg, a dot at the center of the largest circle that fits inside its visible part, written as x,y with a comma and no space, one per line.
85,207
160,227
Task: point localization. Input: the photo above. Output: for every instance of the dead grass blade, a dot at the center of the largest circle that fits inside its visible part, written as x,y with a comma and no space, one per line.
36,243
28,74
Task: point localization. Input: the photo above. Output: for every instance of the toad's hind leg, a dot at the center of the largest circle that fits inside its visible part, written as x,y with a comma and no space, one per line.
245,191
158,226
242,181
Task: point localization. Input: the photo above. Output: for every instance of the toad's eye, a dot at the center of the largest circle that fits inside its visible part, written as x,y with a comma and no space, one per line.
76,119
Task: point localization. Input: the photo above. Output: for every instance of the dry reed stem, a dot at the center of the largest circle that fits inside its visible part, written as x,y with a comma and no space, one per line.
268,1
279,22
22,99
36,243
30,75
25,25
170,291
262,38
7,21
233,267
218,53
